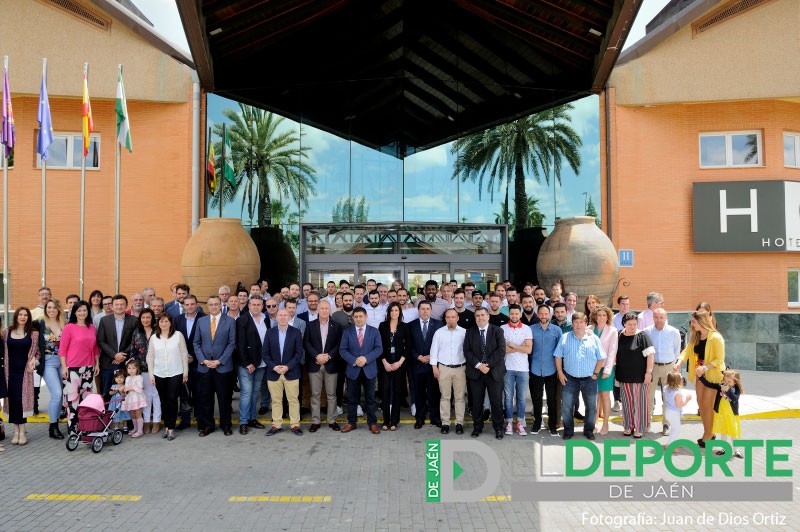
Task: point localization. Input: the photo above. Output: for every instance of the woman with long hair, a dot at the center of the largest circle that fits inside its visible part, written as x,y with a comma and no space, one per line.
706,354
609,336
138,350
591,303
168,362
50,327
80,359
96,304
396,341
634,372
21,347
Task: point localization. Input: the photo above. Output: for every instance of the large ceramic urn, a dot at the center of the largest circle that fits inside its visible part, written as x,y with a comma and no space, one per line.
581,256
219,253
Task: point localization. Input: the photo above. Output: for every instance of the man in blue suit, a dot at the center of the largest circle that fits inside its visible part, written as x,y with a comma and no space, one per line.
427,394
360,348
214,342
283,353
186,324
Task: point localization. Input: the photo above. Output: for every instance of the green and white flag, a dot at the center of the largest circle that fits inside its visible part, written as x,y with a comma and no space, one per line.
227,167
123,125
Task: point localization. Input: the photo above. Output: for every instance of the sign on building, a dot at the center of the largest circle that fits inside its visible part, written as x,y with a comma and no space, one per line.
737,216
626,258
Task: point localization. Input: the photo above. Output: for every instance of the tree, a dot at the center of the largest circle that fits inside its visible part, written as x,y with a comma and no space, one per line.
268,163
535,217
351,210
535,145
591,210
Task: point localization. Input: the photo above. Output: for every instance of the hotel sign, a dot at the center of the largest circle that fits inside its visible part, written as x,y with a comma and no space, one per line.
744,216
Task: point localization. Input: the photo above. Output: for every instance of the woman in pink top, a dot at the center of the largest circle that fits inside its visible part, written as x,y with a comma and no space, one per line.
80,359
609,337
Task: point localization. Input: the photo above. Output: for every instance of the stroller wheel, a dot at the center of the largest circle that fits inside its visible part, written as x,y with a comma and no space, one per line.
116,437
97,444
72,441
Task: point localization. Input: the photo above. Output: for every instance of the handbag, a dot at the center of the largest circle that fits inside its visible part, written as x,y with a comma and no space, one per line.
187,401
2,432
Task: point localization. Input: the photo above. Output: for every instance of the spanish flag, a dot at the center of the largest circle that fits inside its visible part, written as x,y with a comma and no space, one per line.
88,124
211,166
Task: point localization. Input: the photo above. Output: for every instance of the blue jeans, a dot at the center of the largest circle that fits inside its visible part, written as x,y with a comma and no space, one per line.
52,377
587,388
516,386
248,393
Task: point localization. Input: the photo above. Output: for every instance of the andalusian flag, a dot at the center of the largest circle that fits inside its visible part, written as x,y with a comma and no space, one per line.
227,164
211,168
86,111
123,124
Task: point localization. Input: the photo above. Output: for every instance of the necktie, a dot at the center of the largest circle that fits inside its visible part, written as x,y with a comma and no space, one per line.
360,337
424,330
213,327
483,347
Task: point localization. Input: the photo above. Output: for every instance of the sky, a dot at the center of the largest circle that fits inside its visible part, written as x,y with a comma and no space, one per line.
424,179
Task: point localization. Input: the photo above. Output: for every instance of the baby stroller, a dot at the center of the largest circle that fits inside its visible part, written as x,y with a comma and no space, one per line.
94,422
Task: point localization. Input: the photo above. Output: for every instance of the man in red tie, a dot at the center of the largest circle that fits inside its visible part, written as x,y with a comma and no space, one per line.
361,346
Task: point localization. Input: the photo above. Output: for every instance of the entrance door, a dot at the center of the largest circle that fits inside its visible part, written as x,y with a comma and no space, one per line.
382,273
416,275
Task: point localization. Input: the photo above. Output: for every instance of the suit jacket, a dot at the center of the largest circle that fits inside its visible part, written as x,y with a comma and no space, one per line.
107,338
220,348
173,308
350,351
402,342
423,347
181,326
248,341
312,341
297,323
291,357
495,352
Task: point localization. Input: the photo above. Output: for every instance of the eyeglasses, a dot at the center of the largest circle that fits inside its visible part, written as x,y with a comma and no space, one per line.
271,306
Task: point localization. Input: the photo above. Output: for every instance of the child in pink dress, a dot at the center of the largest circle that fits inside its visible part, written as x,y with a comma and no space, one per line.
135,399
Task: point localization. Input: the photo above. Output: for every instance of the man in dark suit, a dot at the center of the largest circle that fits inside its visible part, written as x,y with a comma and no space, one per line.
214,342
186,324
427,394
360,348
321,344
114,335
283,353
484,350
251,329
175,307
312,302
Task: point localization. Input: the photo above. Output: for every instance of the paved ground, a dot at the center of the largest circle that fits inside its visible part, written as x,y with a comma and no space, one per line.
356,481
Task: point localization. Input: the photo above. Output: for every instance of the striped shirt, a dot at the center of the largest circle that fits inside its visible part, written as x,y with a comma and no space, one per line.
579,356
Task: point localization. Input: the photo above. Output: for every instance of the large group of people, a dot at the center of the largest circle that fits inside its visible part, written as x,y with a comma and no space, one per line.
454,351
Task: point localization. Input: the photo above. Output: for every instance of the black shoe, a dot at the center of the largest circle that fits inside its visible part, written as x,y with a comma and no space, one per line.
487,414
55,433
436,424
183,426
567,436
553,432
589,436
262,410
254,424
418,424
445,429
701,443
476,433
297,431
719,452
273,431
228,431
243,429
498,434
459,429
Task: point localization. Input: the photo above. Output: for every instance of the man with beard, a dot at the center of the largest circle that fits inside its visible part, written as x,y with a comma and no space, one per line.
495,317
344,319
466,319
529,316
410,312
484,351
359,292
546,336
375,312
312,301
427,389
438,305
512,297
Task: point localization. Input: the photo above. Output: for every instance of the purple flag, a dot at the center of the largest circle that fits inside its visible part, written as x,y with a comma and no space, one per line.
8,136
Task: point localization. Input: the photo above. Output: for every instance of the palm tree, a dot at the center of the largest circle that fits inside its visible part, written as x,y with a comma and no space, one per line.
350,210
536,144
268,162
535,216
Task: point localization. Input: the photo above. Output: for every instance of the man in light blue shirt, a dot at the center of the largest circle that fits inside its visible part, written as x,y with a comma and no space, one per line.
666,340
579,357
546,336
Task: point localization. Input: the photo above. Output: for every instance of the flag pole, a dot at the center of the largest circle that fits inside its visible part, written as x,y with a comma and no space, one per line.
83,198
116,215
221,183
205,170
6,301
44,201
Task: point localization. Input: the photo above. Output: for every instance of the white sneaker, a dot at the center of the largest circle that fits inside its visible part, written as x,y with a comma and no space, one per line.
359,412
339,411
616,407
521,430
413,410
509,428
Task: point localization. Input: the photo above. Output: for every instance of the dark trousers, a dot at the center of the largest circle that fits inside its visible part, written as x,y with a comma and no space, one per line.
392,392
169,390
354,391
479,386
192,399
428,395
548,385
210,383
341,367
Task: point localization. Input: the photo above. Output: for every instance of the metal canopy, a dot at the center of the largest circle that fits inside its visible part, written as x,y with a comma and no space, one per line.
405,75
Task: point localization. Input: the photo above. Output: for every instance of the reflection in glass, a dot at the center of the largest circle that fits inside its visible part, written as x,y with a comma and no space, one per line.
57,152
481,277
417,277
712,150
789,151
745,149
381,274
92,159
794,292
320,277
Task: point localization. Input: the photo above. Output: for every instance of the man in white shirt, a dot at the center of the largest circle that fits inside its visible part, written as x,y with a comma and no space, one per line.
449,368
571,301
383,293
666,340
375,313
645,319
624,304
410,312
330,288
358,296
519,342
500,290
251,328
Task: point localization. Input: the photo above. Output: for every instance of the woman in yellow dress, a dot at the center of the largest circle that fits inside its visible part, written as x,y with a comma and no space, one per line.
706,355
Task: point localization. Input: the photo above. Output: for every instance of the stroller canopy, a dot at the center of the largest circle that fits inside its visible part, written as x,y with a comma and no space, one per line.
93,401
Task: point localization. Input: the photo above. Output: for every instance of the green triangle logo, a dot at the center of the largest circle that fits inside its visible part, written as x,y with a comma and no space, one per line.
457,470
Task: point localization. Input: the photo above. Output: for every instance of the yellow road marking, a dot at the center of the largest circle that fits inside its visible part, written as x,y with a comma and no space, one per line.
496,498
281,498
81,497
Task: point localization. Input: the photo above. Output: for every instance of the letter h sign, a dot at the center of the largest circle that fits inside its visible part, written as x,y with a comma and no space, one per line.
751,211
